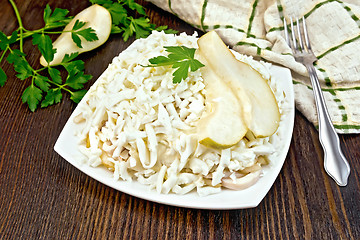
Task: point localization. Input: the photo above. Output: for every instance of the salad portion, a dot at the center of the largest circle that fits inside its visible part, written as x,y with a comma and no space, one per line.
215,128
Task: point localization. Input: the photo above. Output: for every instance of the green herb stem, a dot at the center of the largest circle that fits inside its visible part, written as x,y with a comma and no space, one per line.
65,89
63,86
40,69
28,33
3,54
59,32
21,27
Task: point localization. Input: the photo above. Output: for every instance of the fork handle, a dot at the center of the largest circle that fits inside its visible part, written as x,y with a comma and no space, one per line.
335,163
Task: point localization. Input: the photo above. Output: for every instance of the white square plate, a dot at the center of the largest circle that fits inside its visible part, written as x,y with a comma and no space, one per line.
67,147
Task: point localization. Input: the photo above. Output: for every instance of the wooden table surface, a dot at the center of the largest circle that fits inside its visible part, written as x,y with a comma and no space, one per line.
43,197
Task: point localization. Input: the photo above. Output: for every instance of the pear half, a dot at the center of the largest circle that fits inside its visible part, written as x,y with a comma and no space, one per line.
96,17
222,125
241,77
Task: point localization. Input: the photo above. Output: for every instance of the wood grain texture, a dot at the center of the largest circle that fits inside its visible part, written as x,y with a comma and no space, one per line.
44,197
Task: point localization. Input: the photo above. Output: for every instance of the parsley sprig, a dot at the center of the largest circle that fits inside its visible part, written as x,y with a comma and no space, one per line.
181,58
87,33
123,22
48,84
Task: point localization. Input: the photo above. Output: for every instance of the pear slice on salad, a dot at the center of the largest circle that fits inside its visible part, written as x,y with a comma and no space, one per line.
222,125
96,17
241,78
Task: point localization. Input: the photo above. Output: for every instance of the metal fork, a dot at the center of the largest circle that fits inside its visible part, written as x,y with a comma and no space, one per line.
335,163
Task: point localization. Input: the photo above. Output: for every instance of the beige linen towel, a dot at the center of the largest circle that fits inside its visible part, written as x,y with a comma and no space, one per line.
255,27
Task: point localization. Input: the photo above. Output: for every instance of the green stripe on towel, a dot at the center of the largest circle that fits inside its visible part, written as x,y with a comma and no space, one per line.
318,6
203,12
218,26
338,46
258,49
329,90
281,13
251,19
326,77
347,126
172,11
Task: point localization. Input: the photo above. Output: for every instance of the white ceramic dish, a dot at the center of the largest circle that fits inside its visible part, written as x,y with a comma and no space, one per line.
66,146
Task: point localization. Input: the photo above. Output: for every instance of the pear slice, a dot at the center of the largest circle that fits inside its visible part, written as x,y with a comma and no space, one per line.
242,78
96,17
222,125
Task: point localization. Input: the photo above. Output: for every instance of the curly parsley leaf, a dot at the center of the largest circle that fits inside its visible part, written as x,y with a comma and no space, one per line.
118,13
21,66
87,33
3,77
42,82
101,2
69,57
53,96
166,29
77,65
77,79
57,18
161,61
182,71
78,24
44,43
55,75
5,42
141,27
70,65
180,58
116,29
32,96
77,96
15,55
135,6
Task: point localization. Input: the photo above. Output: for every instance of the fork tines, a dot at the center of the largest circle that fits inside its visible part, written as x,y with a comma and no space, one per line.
302,35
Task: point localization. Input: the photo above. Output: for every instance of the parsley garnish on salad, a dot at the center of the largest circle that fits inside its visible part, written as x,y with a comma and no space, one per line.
181,58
